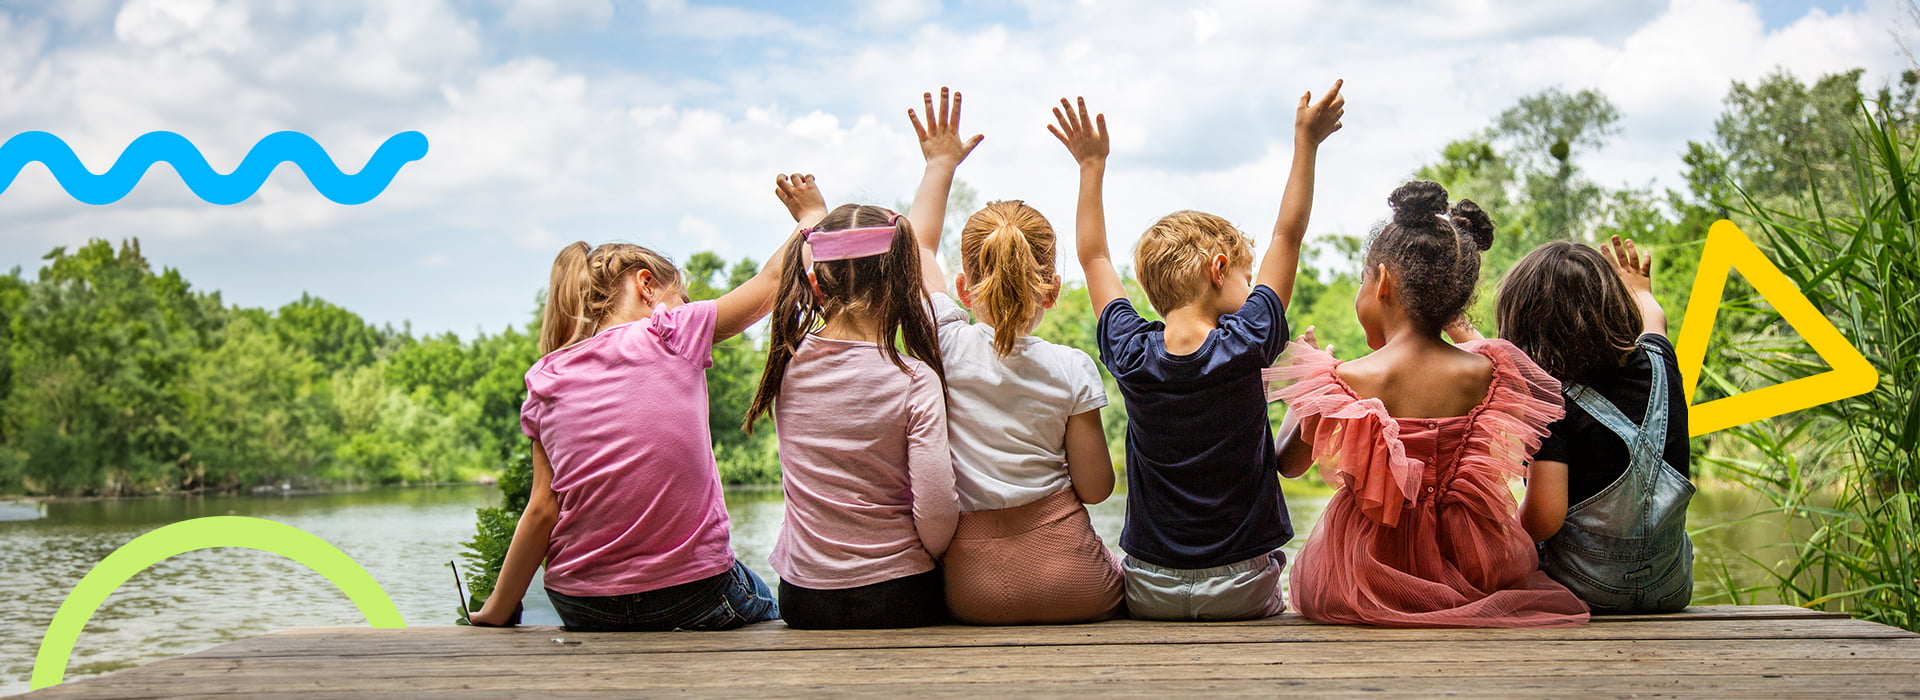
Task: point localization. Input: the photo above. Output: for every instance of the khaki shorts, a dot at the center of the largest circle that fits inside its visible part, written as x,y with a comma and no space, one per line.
1244,590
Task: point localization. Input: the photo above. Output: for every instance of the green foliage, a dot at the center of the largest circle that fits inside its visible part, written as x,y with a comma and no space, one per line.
1845,476
119,380
494,528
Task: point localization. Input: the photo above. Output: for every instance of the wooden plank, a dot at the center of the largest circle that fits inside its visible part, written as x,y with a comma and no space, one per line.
774,636
1703,652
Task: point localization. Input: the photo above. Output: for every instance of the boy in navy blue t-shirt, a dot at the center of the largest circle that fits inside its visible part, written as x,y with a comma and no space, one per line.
1205,518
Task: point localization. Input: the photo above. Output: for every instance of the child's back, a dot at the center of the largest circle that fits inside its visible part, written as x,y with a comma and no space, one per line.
617,411
1610,493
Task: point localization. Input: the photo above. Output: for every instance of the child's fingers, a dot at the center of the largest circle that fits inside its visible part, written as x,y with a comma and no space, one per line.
1101,120
954,119
918,130
1333,92
1065,124
1056,134
1084,119
975,141
1067,107
933,118
1306,98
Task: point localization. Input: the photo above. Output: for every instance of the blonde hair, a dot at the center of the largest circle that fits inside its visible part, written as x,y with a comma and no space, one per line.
1007,251
560,322
586,286
1173,255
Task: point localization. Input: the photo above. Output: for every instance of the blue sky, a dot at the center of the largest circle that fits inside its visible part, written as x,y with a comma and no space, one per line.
663,122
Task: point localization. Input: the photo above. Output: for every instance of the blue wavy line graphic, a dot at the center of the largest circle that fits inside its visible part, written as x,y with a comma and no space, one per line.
214,187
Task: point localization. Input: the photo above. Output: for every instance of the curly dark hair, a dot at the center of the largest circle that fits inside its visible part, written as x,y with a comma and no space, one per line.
1433,250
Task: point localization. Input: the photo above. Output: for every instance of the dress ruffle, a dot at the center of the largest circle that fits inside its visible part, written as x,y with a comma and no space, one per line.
1407,542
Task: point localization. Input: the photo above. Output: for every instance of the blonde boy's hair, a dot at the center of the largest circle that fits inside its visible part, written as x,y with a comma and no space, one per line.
1173,255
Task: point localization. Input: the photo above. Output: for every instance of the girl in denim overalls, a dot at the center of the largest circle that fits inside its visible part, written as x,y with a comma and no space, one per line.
1589,318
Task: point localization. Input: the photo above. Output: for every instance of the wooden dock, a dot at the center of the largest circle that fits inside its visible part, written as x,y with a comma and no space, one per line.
1705,651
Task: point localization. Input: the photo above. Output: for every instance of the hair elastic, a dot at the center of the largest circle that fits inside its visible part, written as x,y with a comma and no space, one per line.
851,243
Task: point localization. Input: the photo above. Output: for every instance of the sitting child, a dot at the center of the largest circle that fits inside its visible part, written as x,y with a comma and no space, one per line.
1205,517
1421,439
1620,456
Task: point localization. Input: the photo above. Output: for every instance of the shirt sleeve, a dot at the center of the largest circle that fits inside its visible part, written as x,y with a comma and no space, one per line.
1262,322
530,413
1089,392
946,311
1554,447
1118,322
687,331
936,508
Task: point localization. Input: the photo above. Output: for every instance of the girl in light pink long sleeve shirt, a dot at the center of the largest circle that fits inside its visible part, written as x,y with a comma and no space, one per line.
863,429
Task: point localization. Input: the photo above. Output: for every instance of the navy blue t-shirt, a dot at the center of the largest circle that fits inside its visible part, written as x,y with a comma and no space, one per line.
1203,487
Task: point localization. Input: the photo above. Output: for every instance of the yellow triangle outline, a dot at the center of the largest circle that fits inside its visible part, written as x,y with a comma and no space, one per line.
1729,249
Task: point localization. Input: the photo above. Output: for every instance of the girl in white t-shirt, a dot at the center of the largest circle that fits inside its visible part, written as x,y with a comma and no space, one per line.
1023,414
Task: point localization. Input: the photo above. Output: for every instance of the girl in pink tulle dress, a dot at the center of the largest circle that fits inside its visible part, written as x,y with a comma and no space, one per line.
1422,530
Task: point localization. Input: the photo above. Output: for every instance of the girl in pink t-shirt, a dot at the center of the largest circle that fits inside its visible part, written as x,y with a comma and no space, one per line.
863,428
626,505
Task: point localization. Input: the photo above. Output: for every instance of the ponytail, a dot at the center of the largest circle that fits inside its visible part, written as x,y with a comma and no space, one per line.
1007,251
563,318
885,287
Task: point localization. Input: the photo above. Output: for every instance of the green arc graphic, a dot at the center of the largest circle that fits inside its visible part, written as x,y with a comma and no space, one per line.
50,666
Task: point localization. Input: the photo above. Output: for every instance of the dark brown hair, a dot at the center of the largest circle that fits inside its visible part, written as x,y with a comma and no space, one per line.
1433,250
1007,251
885,286
1565,307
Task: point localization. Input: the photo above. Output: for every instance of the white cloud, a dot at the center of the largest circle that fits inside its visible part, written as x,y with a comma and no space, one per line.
531,149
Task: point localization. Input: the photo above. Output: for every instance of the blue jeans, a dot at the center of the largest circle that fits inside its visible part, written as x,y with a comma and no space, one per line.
723,601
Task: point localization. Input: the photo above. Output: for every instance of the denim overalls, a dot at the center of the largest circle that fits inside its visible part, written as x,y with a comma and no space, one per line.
1626,549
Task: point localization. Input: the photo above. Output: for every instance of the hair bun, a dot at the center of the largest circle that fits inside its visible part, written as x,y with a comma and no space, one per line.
1416,203
1470,219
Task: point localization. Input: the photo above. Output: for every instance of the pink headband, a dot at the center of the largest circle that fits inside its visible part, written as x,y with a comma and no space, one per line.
853,242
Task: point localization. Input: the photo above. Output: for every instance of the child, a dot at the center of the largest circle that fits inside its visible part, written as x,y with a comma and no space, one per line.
1620,455
1420,438
1023,414
1205,517
626,507
862,427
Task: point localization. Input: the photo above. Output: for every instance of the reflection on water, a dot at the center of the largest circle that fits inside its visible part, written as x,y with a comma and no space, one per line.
404,537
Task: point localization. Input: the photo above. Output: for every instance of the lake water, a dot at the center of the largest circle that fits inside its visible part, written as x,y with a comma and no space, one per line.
404,537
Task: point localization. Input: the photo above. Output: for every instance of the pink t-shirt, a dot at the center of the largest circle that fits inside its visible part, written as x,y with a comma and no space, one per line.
865,467
623,417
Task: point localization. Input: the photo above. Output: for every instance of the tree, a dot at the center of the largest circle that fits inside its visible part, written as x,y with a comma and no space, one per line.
1549,130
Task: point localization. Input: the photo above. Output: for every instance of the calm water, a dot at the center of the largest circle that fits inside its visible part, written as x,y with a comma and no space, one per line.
404,537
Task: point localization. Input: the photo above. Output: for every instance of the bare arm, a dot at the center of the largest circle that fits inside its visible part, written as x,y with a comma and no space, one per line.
1313,123
1544,508
1088,463
1636,271
941,145
1086,139
1296,453
528,548
753,299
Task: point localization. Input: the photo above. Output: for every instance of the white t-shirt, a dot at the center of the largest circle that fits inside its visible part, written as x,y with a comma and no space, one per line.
1007,416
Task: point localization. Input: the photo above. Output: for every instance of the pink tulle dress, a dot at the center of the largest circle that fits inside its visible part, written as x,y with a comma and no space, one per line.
1422,530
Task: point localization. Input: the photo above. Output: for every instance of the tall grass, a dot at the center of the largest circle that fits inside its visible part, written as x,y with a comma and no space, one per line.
1843,475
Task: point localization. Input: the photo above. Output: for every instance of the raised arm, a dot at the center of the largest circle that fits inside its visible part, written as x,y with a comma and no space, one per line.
1313,122
941,145
527,549
1636,270
753,299
1086,139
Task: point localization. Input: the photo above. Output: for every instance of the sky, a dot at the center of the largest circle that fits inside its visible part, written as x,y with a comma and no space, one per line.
663,122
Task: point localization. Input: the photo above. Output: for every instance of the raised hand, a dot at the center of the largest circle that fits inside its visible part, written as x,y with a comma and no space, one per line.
1085,138
1634,267
800,195
1313,122
940,133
